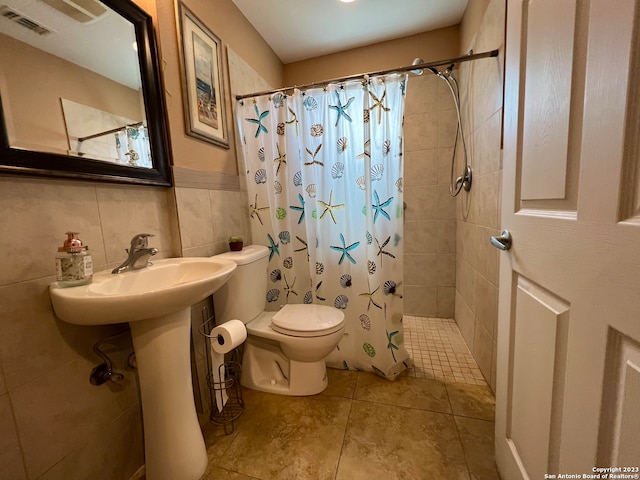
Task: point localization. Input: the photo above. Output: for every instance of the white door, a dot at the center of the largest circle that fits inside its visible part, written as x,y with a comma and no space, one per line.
568,379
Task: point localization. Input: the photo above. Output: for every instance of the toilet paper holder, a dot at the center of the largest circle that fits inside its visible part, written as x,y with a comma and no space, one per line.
223,381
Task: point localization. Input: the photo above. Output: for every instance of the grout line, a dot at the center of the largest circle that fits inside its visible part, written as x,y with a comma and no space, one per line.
407,407
346,427
464,450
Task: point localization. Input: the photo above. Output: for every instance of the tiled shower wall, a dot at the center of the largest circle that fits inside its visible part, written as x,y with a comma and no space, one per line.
478,211
430,218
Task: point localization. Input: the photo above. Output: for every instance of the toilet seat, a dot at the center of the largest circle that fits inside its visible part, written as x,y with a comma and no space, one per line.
308,320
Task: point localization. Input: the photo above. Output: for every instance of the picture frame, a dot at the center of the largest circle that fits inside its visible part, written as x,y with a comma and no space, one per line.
203,77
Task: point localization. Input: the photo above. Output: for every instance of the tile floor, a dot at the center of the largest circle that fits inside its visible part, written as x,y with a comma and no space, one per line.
435,421
361,427
439,351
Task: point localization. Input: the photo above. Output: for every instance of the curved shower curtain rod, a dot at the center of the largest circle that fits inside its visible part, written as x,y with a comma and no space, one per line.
427,66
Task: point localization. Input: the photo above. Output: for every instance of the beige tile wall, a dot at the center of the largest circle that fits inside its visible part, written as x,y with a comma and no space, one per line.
209,217
56,425
478,211
430,225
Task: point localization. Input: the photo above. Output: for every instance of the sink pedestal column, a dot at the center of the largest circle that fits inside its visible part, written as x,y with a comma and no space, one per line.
174,446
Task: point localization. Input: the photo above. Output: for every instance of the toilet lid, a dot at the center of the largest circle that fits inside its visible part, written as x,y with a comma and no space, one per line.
307,319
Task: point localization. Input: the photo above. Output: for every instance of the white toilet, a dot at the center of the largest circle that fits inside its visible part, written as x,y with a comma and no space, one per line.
285,351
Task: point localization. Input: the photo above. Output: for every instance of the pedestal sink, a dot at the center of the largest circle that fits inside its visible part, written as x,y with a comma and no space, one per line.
156,302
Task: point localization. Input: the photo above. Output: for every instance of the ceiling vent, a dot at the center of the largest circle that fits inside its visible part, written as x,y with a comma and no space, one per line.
23,21
82,11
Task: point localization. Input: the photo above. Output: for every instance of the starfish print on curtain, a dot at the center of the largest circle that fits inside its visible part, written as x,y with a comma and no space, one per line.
255,210
273,247
342,109
313,157
370,298
379,206
293,121
280,159
330,207
382,251
258,121
378,103
299,208
344,249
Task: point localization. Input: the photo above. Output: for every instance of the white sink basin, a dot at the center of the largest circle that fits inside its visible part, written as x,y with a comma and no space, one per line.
156,301
167,286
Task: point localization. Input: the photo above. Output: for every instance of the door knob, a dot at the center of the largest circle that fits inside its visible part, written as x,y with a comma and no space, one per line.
503,242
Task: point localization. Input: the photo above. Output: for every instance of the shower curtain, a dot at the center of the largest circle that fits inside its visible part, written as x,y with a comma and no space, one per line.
132,146
324,179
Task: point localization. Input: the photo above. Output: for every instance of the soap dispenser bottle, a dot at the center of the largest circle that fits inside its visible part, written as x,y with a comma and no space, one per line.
73,262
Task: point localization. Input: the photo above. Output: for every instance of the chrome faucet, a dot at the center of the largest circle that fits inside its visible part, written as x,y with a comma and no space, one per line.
138,254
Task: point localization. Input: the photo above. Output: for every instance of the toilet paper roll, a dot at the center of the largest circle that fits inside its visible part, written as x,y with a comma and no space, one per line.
228,336
223,339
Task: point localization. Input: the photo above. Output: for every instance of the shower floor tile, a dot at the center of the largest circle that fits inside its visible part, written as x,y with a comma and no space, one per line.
439,352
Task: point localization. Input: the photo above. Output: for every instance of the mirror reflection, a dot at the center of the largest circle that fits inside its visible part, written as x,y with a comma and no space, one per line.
80,92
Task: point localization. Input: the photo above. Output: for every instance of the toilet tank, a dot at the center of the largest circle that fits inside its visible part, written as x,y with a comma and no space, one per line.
243,297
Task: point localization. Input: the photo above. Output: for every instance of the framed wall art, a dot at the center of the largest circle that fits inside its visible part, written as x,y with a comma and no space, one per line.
202,79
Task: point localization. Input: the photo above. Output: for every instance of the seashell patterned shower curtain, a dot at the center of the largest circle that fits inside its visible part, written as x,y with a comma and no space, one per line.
132,146
324,177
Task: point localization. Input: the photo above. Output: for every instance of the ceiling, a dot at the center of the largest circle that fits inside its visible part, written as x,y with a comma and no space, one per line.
301,29
295,29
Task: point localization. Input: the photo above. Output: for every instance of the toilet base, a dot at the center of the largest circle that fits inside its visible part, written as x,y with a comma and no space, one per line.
266,368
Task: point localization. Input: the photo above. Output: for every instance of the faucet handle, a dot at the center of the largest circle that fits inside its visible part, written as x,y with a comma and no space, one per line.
140,241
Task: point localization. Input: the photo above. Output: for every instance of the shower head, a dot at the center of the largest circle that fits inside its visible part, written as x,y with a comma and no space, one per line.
418,71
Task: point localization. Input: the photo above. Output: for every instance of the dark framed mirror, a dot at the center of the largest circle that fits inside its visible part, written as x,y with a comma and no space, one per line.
81,92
